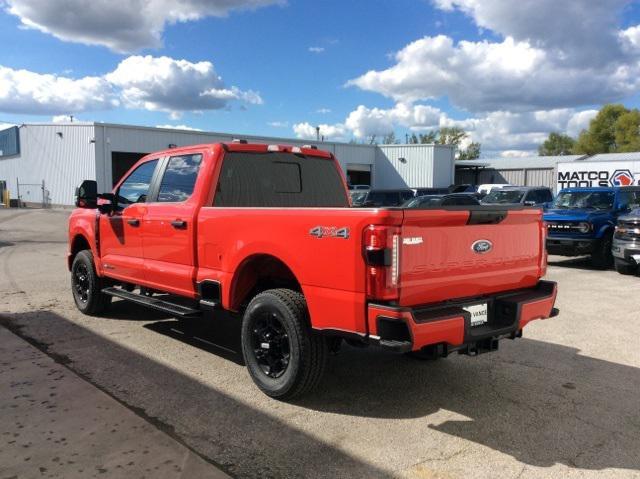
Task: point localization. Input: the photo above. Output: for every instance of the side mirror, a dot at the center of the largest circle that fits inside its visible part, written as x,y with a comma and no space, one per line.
107,202
87,195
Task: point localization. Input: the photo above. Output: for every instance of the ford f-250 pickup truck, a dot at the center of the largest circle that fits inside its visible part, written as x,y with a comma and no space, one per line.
267,232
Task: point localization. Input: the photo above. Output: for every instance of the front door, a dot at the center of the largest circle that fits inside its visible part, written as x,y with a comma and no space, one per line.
169,228
120,233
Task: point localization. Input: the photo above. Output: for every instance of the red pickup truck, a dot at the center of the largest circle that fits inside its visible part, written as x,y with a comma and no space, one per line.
267,231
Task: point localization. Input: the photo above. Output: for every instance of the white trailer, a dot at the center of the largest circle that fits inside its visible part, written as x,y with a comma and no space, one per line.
589,174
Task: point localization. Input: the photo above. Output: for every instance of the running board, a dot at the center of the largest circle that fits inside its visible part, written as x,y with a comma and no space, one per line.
154,303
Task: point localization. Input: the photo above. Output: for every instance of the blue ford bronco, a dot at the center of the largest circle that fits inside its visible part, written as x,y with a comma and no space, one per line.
581,221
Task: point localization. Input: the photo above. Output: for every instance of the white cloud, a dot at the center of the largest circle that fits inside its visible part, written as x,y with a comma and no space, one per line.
23,91
178,127
316,49
336,132
486,76
121,25
573,31
364,122
278,124
150,83
166,84
323,111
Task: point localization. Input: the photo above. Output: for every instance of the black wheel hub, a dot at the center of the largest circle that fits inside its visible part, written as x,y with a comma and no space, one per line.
270,344
81,282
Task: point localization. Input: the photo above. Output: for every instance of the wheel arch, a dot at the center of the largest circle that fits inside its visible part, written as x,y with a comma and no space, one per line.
256,273
77,244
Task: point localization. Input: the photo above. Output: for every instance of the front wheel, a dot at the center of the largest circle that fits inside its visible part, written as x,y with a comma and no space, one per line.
285,358
602,258
86,285
625,267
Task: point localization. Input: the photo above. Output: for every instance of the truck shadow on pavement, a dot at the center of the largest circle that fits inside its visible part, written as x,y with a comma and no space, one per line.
243,440
539,402
580,262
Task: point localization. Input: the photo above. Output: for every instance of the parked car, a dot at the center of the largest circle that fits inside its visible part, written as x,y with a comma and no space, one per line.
581,221
524,195
487,188
266,232
626,241
358,197
434,201
381,198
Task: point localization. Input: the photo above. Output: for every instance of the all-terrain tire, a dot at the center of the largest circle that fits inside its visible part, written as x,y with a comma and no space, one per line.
86,285
275,330
602,258
625,267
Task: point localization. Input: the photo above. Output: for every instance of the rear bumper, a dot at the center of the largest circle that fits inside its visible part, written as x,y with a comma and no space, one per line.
449,325
571,246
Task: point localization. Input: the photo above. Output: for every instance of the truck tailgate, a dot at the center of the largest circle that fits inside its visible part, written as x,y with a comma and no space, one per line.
452,254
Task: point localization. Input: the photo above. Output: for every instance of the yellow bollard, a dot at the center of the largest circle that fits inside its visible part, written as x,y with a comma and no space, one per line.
6,199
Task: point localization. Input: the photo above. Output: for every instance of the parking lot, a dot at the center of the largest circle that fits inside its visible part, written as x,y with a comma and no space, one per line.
560,402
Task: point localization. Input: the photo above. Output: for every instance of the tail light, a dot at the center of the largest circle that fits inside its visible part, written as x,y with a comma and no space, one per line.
543,256
382,257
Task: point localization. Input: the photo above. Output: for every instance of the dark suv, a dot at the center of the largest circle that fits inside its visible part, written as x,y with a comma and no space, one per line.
524,195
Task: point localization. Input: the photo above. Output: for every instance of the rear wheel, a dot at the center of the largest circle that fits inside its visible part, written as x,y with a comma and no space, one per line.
86,285
625,267
601,257
285,358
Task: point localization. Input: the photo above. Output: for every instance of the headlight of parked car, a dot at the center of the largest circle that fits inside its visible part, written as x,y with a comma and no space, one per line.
584,227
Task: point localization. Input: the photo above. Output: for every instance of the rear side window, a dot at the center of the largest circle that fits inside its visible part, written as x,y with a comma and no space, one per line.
279,180
179,178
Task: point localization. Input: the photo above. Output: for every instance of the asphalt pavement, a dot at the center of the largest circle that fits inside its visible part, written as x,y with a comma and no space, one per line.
561,402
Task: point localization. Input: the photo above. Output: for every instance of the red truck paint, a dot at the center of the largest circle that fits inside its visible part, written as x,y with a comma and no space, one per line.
437,264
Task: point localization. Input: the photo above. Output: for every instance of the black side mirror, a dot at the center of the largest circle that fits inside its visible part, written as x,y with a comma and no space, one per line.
109,203
87,194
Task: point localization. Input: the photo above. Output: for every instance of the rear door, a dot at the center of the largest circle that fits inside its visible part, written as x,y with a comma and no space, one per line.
457,253
120,233
169,226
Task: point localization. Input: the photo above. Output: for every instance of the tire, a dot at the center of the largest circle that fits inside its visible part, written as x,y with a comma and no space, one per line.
285,358
86,285
601,258
625,267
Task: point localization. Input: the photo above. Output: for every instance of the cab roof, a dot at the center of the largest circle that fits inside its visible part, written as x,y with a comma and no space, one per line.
241,146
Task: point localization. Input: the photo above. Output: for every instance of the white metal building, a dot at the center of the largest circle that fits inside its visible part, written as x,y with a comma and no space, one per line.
527,171
62,155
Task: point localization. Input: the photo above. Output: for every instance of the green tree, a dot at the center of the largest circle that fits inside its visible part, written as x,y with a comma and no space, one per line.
389,139
557,144
471,152
451,135
627,132
600,137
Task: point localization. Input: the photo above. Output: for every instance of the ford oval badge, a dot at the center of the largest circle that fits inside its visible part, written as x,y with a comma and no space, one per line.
482,246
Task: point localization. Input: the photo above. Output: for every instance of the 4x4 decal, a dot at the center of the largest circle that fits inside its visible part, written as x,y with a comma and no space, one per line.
329,232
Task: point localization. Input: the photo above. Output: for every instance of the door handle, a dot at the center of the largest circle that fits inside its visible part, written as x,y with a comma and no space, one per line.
134,222
179,224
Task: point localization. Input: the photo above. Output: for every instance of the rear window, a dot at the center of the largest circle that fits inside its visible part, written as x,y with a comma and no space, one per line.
279,180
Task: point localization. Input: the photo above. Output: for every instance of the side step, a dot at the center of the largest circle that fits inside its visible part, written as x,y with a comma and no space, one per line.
155,303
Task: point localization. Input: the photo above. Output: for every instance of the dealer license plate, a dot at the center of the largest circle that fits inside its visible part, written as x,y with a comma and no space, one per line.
479,313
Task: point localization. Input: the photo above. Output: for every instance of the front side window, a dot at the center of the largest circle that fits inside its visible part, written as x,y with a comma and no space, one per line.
630,199
136,187
179,178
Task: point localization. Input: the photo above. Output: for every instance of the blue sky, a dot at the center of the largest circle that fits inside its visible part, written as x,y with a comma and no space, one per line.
279,68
